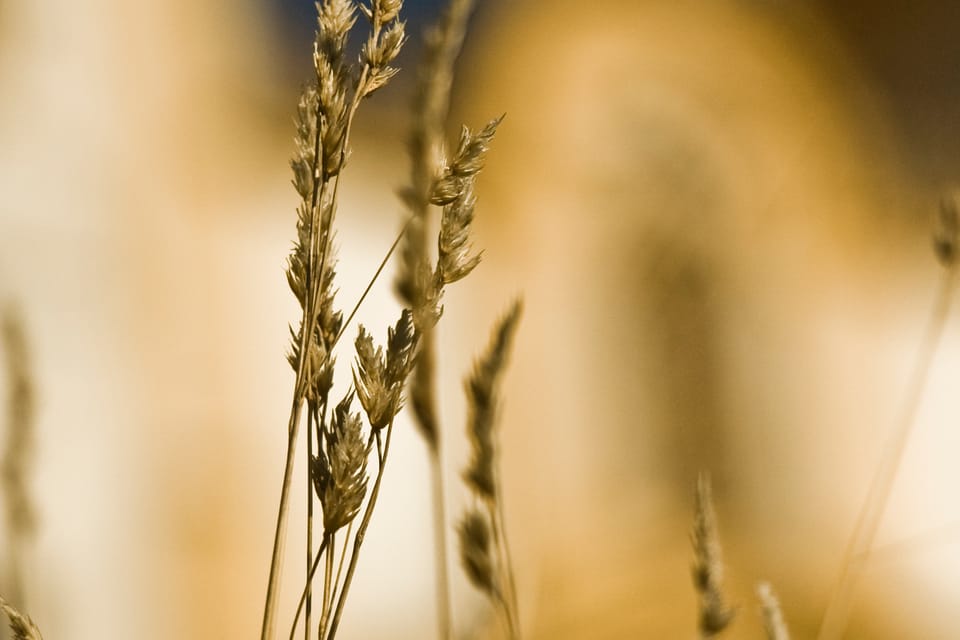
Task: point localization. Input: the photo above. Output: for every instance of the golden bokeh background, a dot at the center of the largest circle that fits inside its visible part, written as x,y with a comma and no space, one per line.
717,211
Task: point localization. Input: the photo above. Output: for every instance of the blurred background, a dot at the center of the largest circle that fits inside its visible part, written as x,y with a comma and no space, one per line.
717,211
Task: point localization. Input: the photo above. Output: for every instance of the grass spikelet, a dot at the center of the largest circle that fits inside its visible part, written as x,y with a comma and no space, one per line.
465,165
387,37
379,377
715,615
21,626
773,623
431,106
457,259
482,389
455,192
340,471
475,552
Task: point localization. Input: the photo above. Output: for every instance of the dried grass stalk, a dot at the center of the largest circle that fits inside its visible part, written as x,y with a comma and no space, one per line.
338,467
945,236
326,112
484,550
431,106
773,623
715,615
416,281
483,398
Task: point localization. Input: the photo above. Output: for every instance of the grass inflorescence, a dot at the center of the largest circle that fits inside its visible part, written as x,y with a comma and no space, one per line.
336,444
340,441
715,614
773,623
484,551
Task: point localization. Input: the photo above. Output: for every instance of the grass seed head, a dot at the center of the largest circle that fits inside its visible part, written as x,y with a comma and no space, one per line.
773,623
482,388
379,376
339,471
715,615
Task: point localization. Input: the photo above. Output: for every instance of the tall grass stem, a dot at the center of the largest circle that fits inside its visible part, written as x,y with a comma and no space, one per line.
861,541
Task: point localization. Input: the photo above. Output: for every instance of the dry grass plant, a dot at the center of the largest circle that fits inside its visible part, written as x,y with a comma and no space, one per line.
431,107
336,469
715,615
484,550
773,623
338,444
861,542
342,439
